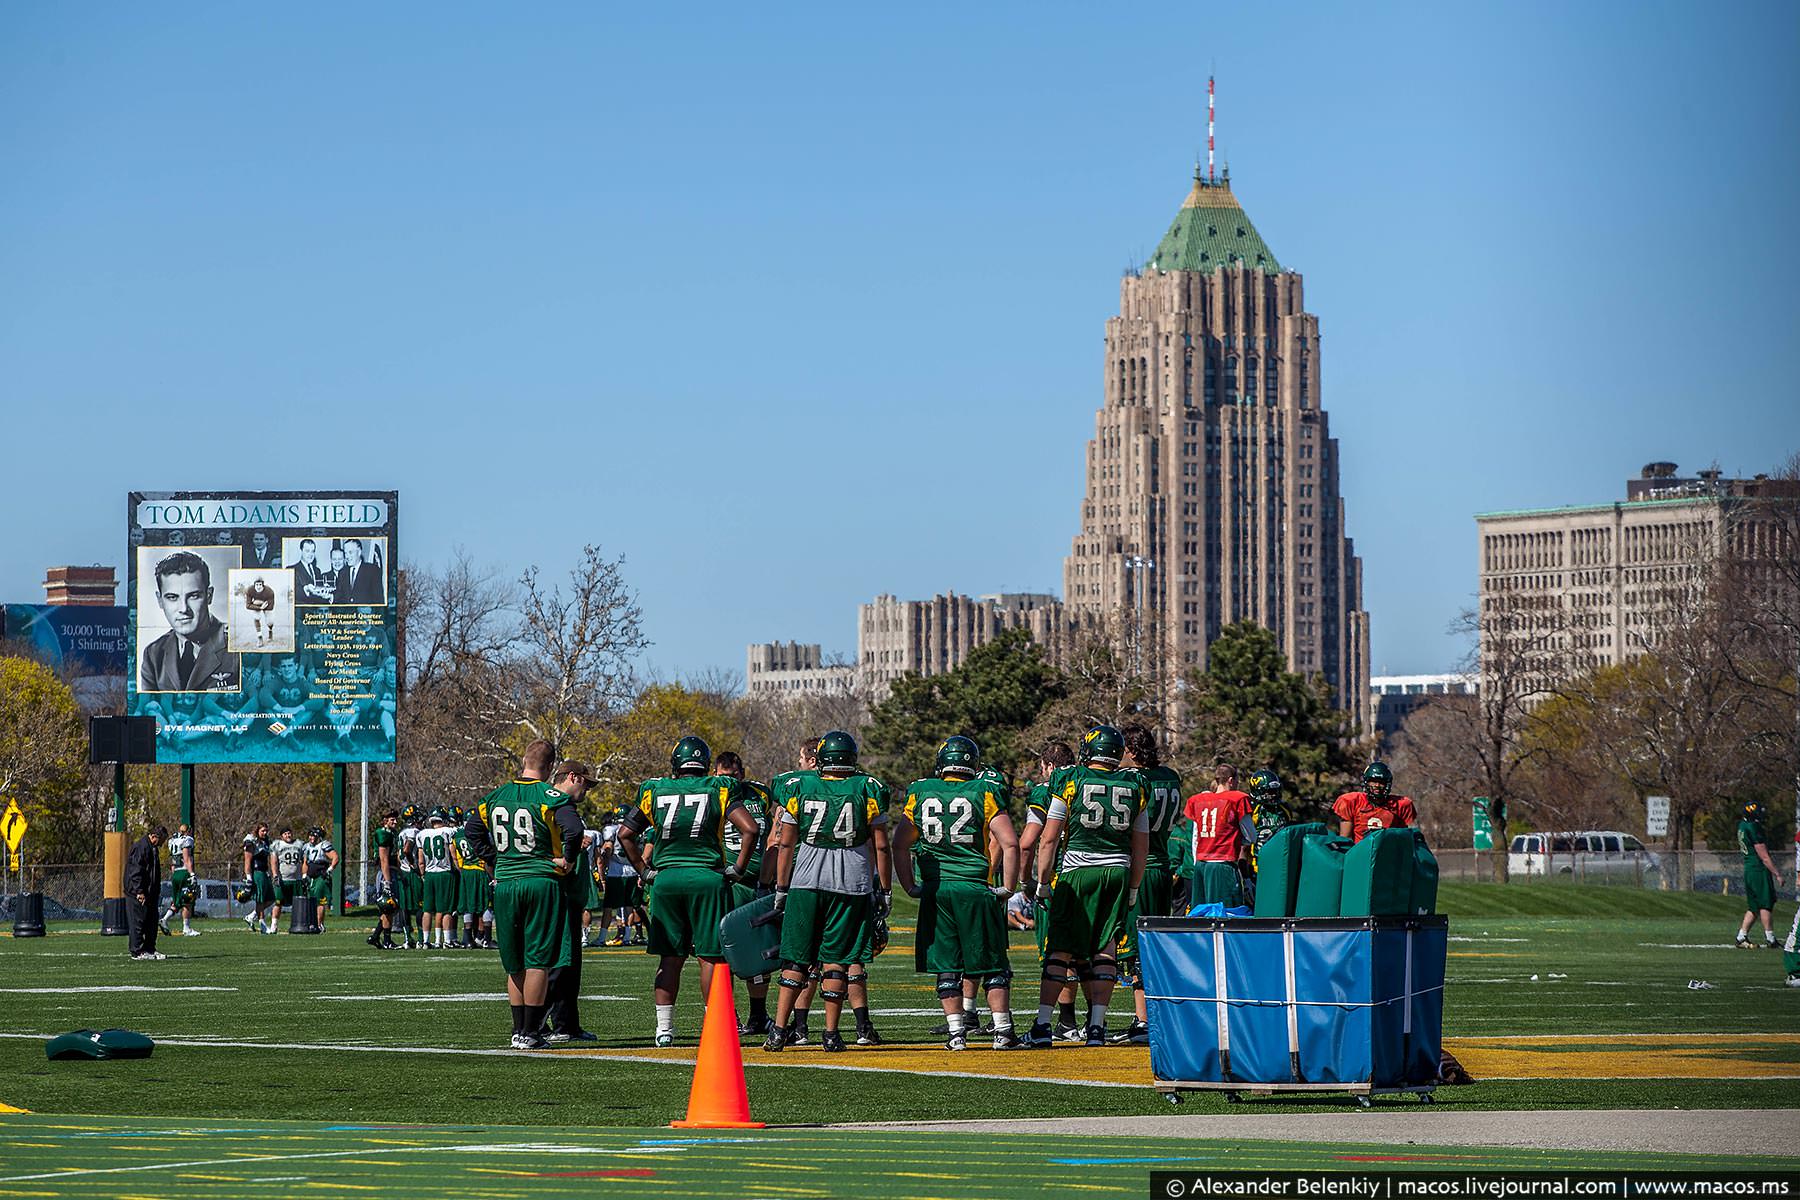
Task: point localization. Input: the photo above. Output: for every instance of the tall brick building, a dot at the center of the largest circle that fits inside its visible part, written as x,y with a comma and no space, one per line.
1212,478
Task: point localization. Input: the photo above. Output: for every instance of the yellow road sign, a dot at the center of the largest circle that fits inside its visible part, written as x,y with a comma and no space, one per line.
12,862
12,826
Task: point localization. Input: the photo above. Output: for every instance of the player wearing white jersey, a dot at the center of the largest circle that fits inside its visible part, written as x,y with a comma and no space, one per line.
184,889
289,857
321,861
411,880
439,870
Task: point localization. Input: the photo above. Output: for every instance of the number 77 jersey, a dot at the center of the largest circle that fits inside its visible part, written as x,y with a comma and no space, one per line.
1099,809
688,812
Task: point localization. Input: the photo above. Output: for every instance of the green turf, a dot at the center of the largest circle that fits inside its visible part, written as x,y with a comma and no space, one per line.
118,1159
311,1007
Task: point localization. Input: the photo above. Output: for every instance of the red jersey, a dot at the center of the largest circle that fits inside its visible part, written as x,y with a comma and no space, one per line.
1218,836
1364,814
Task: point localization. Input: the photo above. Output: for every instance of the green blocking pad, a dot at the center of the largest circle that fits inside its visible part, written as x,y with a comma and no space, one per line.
1391,873
1321,876
750,936
1278,868
103,1043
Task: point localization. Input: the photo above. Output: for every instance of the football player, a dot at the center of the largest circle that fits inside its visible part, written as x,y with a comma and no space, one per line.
289,857
472,885
256,875
1761,878
756,803
1156,897
321,861
437,878
562,993
622,891
1099,822
954,819
528,829
390,887
1055,756
1223,828
689,878
259,598
1375,807
183,888
412,883
779,787
831,873
1268,810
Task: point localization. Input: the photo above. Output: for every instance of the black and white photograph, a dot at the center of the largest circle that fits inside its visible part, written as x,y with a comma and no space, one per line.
182,615
337,570
262,610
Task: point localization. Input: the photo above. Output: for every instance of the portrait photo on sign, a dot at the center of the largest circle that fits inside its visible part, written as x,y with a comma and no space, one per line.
183,617
262,610
329,569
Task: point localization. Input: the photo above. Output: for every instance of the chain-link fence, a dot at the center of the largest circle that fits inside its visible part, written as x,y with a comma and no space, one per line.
74,891
1666,870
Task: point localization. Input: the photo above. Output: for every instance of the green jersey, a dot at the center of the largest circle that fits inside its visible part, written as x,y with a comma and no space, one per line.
434,849
1163,801
688,814
952,817
1099,809
520,820
1749,835
756,803
836,812
390,840
464,852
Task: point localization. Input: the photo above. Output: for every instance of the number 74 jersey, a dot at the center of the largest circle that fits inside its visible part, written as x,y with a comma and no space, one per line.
1100,809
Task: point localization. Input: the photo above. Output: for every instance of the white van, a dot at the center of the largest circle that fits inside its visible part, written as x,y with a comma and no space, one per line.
1602,854
215,899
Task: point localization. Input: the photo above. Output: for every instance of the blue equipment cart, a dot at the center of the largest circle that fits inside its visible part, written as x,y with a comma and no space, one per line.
1261,1005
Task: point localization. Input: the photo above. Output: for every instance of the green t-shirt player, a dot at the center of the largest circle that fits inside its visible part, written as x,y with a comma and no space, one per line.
1760,877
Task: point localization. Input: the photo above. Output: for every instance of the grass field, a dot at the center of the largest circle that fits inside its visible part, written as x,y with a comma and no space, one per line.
256,1031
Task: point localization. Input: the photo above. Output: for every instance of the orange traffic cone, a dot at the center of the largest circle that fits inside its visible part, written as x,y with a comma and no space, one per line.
718,1099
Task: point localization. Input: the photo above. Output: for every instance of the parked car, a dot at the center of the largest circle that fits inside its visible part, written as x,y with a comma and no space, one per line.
215,899
52,911
1602,854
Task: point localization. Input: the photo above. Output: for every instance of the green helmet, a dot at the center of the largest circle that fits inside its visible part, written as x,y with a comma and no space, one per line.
1104,745
959,755
1753,809
1378,781
837,752
1265,788
691,756
440,815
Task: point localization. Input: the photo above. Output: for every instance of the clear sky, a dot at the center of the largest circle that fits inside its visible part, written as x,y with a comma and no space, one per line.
795,306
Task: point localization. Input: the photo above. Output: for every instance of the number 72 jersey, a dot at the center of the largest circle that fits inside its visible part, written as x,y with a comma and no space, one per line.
1099,809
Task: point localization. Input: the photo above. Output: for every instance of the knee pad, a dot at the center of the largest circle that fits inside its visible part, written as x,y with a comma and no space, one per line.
949,985
1085,972
1129,973
998,979
830,993
858,974
1102,970
813,973
793,976
1057,971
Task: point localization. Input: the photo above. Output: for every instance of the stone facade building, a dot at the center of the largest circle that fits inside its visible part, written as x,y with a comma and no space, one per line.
930,637
79,585
792,668
1212,479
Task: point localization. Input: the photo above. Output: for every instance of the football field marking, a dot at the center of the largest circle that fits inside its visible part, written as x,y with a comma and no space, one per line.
118,987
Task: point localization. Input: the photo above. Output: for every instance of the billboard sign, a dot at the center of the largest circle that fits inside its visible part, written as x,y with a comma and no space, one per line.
88,644
263,625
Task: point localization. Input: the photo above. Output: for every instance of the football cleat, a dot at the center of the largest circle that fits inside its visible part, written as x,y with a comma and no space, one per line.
190,933
581,1035
1068,1031
1743,943
374,939
796,1035
1006,1039
150,956
1135,1034
866,1036
777,1039
833,1041
1096,1035
665,1040
163,926
529,1041
556,1039
1793,981
957,1041
1040,1037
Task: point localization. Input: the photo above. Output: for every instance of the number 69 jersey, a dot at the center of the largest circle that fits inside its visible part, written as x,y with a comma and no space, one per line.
688,813
952,817
1099,809
519,819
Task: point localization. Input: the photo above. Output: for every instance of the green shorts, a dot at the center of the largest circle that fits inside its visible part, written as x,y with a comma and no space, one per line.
1088,911
287,889
1759,889
529,924
1040,927
471,891
824,927
262,891
319,888
622,891
1156,895
962,927
439,892
592,896
686,911
1216,883
415,891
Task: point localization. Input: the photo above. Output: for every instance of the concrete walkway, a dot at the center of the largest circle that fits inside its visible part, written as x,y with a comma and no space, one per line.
1689,1131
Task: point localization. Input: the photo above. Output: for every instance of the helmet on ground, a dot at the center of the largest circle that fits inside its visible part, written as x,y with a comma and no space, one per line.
878,936
691,756
1378,781
1103,745
837,752
242,892
958,755
1264,787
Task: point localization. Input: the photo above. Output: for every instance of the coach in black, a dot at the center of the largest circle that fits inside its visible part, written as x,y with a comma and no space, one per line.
143,889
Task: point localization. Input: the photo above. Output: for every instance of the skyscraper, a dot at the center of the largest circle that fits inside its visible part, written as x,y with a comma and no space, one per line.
1212,479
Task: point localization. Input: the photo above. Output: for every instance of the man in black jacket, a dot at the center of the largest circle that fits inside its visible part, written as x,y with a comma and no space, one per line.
143,887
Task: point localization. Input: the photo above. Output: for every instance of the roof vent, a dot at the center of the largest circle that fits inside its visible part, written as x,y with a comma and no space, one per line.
1659,470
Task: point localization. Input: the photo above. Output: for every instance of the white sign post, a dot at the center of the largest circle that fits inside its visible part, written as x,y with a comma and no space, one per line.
1656,816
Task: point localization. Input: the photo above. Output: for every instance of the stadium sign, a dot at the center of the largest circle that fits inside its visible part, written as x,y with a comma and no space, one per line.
263,625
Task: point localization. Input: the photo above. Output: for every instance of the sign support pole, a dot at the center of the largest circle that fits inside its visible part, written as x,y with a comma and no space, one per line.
337,827
187,795
363,858
112,904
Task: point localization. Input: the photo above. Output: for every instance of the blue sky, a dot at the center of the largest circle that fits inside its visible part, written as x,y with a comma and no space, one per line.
795,306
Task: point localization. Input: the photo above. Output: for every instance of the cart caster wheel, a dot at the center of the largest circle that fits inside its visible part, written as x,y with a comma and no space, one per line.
1172,1097
1427,1098
1365,1102
1233,1098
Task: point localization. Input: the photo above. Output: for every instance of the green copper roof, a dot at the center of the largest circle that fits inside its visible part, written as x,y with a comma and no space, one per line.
1211,231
